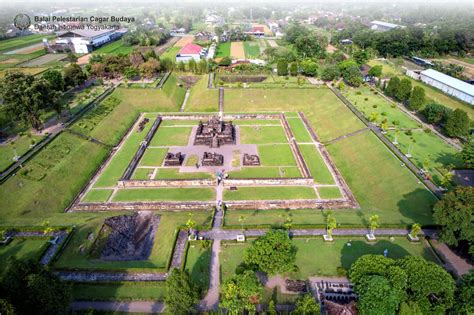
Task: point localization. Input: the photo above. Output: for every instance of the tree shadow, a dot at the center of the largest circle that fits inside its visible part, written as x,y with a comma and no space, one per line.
200,273
417,206
349,254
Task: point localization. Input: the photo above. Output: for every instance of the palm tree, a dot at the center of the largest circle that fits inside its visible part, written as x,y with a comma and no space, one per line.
373,223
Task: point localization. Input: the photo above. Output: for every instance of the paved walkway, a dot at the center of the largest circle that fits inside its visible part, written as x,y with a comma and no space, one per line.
347,135
211,301
453,262
186,96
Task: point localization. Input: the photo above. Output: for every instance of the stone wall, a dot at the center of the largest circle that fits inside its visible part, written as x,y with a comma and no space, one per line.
288,204
268,182
149,205
167,183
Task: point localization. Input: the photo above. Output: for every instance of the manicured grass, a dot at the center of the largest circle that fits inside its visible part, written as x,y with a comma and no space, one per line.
387,69
121,291
262,134
270,193
142,173
23,248
197,265
165,194
266,172
299,130
77,254
22,41
153,156
223,50
254,122
202,99
31,71
19,146
173,173
97,195
170,53
276,155
252,50
311,251
329,192
115,48
316,165
119,162
168,123
171,136
174,91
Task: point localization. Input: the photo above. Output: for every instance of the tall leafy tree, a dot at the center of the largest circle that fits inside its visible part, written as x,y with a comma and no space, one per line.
306,305
392,86
361,56
467,153
436,113
282,67
457,124
241,293
464,295
454,213
272,253
73,75
309,67
294,69
404,90
55,79
417,98
376,71
181,295
376,296
353,76
330,73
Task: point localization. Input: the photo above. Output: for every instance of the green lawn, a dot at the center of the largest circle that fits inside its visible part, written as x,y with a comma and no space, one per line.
165,194
122,291
266,172
252,50
174,91
223,50
77,254
171,136
153,156
316,165
19,146
276,155
142,173
197,264
170,53
262,134
311,250
97,195
270,193
22,41
202,99
23,248
115,48
329,192
299,130
173,173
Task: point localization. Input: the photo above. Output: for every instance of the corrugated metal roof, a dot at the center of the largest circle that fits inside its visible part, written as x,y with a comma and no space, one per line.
449,81
89,33
385,24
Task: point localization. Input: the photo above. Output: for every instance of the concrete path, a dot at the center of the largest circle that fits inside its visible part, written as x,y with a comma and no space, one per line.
113,306
186,96
211,301
221,102
452,261
347,135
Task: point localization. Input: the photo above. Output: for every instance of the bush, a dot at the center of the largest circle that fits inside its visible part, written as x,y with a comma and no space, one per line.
358,93
366,99
375,106
341,272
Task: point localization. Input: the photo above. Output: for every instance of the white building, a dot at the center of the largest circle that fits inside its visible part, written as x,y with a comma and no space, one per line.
383,26
191,51
85,41
449,85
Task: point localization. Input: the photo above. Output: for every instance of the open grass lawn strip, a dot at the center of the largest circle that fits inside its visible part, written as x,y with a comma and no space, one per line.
270,193
262,134
223,50
250,122
21,145
172,136
153,156
198,264
174,173
122,291
168,123
165,194
252,49
316,165
276,155
202,99
266,172
329,192
299,130
115,48
97,195
142,173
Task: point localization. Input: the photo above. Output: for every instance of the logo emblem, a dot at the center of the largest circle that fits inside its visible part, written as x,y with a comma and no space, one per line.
22,21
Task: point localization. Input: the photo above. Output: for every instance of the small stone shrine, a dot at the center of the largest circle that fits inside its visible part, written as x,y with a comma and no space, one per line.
142,124
212,159
251,160
174,159
215,133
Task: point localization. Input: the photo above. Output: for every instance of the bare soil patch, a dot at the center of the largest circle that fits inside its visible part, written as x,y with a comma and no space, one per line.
188,80
237,50
184,41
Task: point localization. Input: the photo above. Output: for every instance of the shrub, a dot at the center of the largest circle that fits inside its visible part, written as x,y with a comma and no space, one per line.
366,99
375,106
358,93
408,132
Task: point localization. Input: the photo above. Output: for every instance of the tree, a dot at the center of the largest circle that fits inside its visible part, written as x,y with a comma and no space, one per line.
150,68
360,56
409,308
373,223
457,124
467,153
369,265
330,72
226,61
404,90
308,46
71,57
376,71
73,75
241,293
417,98
376,296
24,97
331,224
181,295
271,308
454,213
282,67
346,64
306,304
464,295
415,230
55,79
353,76
6,308
32,289
309,67
436,113
392,86
131,73
272,253
294,69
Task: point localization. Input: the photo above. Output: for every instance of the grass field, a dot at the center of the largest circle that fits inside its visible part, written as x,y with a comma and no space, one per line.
171,136
97,195
18,147
267,172
223,50
165,194
276,155
153,157
262,134
170,53
23,41
202,99
197,264
270,193
23,248
114,48
337,252
299,130
73,257
122,291
316,165
252,50
31,71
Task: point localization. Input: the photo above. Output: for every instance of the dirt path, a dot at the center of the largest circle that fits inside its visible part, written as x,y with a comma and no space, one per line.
237,50
453,262
184,41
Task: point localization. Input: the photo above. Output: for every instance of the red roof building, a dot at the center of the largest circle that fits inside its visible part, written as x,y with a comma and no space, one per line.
190,49
258,29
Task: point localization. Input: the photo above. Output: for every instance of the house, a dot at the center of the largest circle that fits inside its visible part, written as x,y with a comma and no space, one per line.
178,31
383,26
256,31
214,20
84,41
191,51
449,85
346,41
203,36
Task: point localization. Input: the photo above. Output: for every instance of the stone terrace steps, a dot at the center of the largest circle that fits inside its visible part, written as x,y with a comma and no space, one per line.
179,249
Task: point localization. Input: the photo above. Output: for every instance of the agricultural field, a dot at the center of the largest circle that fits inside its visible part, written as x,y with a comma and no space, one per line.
114,48
183,41
237,50
252,49
223,50
20,42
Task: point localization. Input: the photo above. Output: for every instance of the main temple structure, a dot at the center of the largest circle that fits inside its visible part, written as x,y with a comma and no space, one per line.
215,133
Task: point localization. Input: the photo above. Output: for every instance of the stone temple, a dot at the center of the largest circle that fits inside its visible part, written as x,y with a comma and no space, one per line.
215,133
